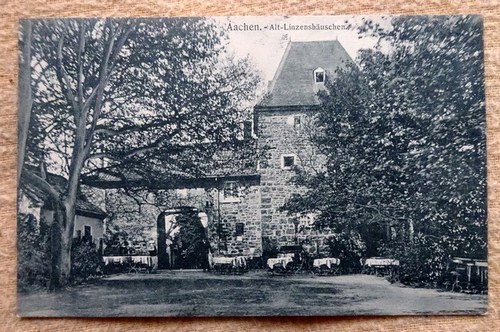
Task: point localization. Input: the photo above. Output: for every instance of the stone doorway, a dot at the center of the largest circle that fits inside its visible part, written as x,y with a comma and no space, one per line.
182,239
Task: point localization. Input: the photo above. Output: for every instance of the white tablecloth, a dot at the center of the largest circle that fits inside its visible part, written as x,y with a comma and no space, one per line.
147,260
329,261
283,260
238,261
381,262
287,255
223,260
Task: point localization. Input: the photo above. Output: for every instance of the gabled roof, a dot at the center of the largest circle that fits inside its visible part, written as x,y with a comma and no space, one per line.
83,206
225,165
293,83
106,180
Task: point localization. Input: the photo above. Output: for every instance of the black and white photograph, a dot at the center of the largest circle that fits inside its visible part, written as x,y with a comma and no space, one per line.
252,166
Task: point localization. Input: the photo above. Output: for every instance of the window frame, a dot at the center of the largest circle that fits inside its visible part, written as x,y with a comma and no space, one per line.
297,122
235,187
239,229
85,227
291,155
317,71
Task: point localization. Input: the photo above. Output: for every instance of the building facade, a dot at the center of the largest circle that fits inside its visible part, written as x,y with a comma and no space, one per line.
89,218
284,127
243,209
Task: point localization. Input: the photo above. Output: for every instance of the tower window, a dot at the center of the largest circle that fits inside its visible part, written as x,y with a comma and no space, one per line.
247,130
230,192
87,231
287,161
297,122
240,229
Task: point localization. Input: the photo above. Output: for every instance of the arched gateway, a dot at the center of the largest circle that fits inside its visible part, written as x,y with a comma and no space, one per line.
182,239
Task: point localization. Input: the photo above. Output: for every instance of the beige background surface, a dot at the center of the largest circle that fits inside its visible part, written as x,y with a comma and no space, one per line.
12,10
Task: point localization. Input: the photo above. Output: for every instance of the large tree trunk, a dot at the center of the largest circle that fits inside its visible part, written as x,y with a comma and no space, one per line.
388,235
61,242
411,230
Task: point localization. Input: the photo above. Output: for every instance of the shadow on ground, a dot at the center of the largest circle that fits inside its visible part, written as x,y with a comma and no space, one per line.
195,293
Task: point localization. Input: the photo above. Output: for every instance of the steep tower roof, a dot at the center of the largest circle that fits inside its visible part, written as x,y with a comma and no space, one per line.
293,84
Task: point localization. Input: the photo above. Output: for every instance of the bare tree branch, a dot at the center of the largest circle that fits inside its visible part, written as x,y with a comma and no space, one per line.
64,79
46,187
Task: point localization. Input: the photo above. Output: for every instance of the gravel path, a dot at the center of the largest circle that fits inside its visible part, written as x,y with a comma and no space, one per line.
180,293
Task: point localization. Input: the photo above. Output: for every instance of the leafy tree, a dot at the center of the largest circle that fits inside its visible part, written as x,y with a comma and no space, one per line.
349,248
132,214
404,137
33,252
152,99
190,243
85,260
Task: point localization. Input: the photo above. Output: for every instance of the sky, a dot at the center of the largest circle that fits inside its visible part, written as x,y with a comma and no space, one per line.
266,47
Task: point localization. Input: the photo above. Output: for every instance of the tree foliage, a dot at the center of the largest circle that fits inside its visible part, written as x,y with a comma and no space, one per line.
349,247
85,260
155,91
33,252
404,137
157,99
190,244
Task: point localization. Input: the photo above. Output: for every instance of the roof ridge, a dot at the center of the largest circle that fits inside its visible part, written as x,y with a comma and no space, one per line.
292,83
280,66
316,41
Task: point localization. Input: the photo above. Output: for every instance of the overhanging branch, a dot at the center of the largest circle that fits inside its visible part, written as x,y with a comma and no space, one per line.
46,187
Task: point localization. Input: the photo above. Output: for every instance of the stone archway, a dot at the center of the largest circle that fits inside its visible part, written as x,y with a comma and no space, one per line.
182,239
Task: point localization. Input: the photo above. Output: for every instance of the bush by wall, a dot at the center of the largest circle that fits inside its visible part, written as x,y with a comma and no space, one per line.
33,253
85,261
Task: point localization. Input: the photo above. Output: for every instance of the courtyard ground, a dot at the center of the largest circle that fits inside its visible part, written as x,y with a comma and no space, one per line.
196,293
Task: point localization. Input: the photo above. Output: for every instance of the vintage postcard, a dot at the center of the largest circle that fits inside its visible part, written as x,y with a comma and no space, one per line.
252,166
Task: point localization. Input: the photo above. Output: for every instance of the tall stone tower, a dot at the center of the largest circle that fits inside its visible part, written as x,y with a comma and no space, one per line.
281,121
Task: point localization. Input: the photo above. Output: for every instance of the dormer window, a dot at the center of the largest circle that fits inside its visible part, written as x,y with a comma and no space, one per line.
319,75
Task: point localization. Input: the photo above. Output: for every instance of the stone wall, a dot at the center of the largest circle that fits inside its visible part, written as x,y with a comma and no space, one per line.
223,215
245,210
283,135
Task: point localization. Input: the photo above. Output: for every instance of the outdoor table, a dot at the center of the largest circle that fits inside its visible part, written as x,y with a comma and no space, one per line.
114,259
329,261
381,266
482,271
150,261
381,262
469,274
237,261
283,260
223,264
223,261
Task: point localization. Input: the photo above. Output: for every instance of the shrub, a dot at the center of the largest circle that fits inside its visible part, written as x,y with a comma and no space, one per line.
422,260
269,248
33,266
85,260
349,248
